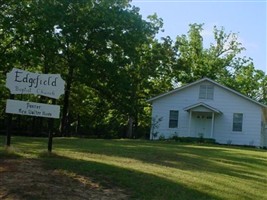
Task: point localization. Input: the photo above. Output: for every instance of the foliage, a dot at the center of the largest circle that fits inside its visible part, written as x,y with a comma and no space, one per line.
193,140
100,55
219,62
162,137
154,126
112,63
249,80
214,62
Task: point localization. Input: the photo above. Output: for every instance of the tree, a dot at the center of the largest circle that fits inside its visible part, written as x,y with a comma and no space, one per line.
249,81
215,62
111,61
121,76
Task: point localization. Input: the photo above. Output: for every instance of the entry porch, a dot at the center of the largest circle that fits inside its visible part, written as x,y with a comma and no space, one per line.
201,120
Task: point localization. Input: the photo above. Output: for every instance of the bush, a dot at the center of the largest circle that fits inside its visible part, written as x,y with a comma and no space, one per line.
161,137
193,140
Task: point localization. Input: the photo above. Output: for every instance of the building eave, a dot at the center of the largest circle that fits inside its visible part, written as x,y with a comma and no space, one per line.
212,109
203,80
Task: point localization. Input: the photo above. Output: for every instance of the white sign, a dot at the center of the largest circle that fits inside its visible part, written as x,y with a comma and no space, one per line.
23,82
32,109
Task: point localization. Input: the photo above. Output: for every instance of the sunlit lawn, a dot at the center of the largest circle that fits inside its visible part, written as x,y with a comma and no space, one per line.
157,170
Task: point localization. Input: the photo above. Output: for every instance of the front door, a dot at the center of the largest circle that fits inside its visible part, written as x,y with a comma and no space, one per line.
202,124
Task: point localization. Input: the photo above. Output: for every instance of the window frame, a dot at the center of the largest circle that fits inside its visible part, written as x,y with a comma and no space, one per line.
173,118
237,125
206,91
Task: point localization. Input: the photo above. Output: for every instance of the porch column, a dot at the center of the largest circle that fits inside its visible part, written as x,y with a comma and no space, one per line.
189,127
212,125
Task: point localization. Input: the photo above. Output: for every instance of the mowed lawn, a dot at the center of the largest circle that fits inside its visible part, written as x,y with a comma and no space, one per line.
156,169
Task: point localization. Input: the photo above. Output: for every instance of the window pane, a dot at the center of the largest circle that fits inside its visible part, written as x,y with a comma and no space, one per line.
206,91
173,124
173,120
210,92
237,121
174,114
202,92
237,127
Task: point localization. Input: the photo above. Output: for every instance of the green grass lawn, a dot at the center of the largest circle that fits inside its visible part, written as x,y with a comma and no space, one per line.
156,170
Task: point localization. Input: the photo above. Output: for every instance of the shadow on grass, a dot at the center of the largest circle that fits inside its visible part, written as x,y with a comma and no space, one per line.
244,165
224,160
138,184
159,152
8,153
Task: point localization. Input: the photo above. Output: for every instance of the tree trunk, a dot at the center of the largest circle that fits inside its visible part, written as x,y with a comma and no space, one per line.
65,112
135,126
130,127
78,125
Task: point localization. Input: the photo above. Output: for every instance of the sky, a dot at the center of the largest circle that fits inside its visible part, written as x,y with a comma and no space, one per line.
247,18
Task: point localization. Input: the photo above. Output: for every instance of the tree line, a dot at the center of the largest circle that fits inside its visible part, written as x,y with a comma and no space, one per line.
112,62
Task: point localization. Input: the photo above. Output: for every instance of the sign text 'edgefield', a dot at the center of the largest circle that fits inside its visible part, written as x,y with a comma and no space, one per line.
32,109
23,82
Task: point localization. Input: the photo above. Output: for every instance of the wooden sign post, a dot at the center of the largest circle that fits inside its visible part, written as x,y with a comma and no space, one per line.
23,82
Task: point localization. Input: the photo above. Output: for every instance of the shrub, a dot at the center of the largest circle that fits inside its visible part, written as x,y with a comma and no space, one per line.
193,140
161,137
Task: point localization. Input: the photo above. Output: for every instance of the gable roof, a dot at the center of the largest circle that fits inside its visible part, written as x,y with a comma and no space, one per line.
201,104
211,81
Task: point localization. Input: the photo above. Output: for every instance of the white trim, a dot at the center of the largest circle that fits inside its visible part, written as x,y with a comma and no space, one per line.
212,125
190,119
173,91
204,105
209,80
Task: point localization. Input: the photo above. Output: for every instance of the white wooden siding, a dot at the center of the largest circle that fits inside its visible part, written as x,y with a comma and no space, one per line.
225,101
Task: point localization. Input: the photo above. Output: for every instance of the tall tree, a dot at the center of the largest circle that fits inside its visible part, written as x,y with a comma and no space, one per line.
249,81
111,61
214,62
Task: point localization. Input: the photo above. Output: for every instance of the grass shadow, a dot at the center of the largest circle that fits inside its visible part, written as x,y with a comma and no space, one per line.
234,162
171,154
201,168
8,153
146,186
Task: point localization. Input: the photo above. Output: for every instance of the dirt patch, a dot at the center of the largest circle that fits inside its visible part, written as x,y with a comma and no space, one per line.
22,179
